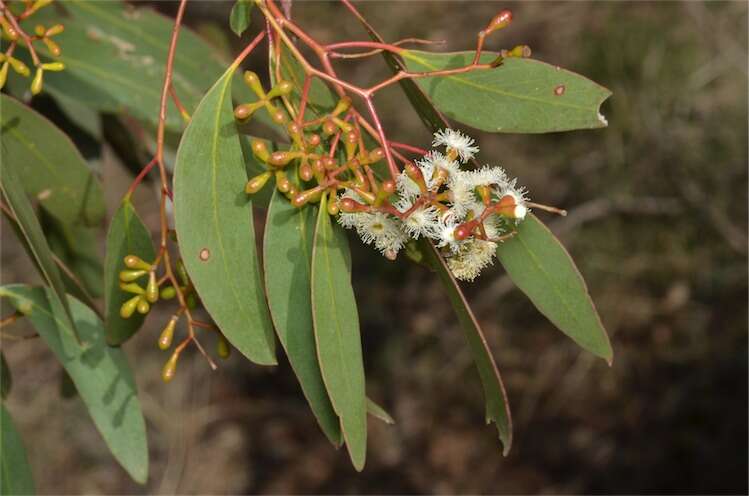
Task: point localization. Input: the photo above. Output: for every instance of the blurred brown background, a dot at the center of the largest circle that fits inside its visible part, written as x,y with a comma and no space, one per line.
657,225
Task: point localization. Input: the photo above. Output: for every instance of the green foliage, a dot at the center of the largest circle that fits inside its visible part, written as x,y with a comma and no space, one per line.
240,16
520,96
287,255
336,323
215,228
100,373
15,472
497,407
49,166
126,236
540,266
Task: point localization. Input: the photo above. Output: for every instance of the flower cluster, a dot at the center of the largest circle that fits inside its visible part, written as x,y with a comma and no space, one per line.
464,212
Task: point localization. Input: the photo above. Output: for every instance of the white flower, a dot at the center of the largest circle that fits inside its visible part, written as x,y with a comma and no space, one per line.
461,196
446,235
384,231
422,222
457,141
470,260
440,161
486,176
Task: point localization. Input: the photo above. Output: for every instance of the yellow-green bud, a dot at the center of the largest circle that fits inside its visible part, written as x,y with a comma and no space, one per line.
251,79
131,275
36,83
260,150
152,288
132,288
53,66
134,262
170,368
19,66
128,308
143,307
256,183
167,335
3,74
168,293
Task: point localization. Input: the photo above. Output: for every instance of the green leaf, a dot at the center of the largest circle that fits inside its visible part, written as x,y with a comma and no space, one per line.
48,165
539,265
127,235
336,324
520,96
497,406
76,247
378,412
240,16
16,476
32,236
6,380
287,255
213,219
115,55
101,374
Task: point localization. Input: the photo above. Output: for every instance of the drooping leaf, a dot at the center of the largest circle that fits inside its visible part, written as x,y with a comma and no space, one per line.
101,374
48,165
213,219
6,380
15,476
240,16
32,236
497,406
287,255
115,55
520,96
336,324
539,265
127,235
378,412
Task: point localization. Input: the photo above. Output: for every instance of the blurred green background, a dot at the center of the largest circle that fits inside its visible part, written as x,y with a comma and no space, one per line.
657,225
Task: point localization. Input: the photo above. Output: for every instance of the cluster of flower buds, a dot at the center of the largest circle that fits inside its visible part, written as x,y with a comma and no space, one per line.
465,212
11,32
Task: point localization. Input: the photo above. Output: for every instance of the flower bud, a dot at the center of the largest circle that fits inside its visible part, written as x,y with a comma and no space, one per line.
132,288
40,4
55,30
131,275
351,206
167,335
259,150
168,293
251,80
40,30
310,195
3,74
276,114
328,163
134,262
128,308
305,172
313,139
36,83
282,159
282,182
329,127
465,229
333,207
9,30
152,288
53,66
182,272
415,175
376,155
499,21
19,67
223,350
170,368
53,47
281,89
256,183
143,307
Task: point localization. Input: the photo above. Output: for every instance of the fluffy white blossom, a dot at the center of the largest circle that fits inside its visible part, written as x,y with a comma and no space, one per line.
456,141
449,201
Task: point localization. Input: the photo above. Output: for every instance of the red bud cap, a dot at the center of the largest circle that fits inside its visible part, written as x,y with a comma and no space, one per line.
388,186
499,21
350,206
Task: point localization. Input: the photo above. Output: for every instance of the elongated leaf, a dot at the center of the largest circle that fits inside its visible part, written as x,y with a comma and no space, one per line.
378,412
6,380
287,254
497,406
520,96
33,237
100,373
115,55
213,218
240,16
539,265
336,323
126,236
48,165
15,475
